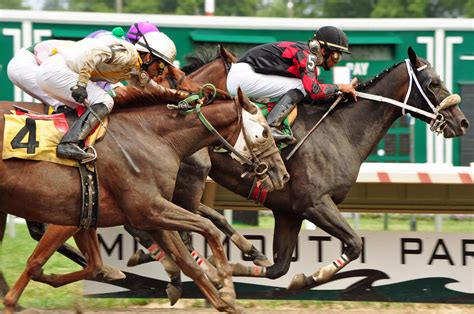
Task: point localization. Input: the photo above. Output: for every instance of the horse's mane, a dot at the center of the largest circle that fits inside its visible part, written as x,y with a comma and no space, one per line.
198,59
377,78
133,97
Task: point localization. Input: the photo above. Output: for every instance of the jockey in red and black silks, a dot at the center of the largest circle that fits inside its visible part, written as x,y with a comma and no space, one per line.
288,71
290,59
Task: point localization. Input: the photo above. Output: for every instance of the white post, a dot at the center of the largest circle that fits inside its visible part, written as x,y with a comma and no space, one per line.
209,7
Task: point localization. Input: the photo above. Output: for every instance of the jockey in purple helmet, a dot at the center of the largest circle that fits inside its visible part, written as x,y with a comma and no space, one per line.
139,29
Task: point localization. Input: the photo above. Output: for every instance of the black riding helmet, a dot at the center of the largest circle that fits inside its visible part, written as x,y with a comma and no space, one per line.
333,38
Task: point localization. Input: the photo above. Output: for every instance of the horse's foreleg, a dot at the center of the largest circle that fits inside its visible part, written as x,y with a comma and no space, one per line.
172,243
172,217
239,240
326,215
285,237
49,243
155,253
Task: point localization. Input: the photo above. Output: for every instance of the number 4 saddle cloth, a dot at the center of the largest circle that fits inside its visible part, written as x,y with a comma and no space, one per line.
36,136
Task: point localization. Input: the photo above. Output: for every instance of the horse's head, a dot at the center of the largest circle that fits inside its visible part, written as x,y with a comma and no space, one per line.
450,119
256,143
172,77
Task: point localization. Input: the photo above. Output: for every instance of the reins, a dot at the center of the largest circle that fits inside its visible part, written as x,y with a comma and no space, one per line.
197,110
437,126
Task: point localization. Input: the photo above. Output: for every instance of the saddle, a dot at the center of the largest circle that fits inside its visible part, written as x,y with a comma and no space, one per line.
40,134
35,136
266,105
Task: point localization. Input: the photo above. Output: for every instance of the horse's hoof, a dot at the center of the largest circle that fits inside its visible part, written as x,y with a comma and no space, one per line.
134,260
297,283
174,293
228,297
262,261
211,260
110,273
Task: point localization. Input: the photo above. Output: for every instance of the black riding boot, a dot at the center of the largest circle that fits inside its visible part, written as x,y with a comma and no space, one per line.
279,112
69,145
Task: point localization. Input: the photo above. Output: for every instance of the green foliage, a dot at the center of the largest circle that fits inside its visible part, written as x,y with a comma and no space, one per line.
237,8
92,5
347,8
274,8
55,5
470,8
13,5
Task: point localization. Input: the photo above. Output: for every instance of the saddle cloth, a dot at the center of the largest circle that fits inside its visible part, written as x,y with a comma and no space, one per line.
287,122
35,136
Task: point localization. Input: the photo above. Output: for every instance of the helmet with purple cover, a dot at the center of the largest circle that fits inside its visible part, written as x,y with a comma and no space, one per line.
139,29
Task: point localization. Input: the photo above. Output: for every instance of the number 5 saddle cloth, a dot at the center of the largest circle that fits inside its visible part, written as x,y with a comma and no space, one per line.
35,136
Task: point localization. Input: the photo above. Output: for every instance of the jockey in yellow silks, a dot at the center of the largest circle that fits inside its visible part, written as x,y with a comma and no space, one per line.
68,77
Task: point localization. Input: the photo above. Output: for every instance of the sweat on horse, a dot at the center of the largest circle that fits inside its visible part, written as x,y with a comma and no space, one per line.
141,200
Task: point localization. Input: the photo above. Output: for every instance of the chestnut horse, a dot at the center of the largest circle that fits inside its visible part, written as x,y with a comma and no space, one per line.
326,166
139,199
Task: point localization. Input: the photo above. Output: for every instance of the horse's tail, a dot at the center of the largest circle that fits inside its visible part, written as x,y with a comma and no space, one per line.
3,283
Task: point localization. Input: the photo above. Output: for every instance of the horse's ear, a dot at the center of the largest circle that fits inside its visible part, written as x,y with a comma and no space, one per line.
245,102
220,49
412,55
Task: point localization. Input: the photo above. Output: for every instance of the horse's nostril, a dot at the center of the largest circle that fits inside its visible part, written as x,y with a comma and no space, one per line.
286,178
464,123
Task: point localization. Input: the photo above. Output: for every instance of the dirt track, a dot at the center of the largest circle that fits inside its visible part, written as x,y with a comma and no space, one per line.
250,307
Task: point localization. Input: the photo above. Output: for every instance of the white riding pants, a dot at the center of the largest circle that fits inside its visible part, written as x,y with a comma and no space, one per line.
56,79
22,70
256,85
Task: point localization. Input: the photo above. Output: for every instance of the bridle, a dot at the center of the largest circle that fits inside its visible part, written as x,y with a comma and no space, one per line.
257,167
438,123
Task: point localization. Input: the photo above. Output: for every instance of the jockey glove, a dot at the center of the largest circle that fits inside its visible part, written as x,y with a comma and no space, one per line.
79,93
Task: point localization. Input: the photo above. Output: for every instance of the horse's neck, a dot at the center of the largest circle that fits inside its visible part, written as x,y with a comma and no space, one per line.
223,116
213,73
366,121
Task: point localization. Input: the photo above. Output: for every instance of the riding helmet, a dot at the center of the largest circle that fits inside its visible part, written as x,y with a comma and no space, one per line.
333,38
139,29
158,44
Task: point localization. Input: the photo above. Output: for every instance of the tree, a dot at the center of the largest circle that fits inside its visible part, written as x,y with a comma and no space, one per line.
347,8
13,5
55,5
470,8
240,8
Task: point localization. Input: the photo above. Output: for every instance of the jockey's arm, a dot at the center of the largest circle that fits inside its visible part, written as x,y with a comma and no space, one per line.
89,62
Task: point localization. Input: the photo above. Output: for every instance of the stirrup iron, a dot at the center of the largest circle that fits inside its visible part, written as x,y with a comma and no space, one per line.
90,150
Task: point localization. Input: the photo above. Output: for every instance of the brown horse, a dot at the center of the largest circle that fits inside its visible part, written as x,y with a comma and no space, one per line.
324,169
142,200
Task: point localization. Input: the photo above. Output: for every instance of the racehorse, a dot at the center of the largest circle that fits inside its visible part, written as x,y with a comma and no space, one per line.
140,199
326,166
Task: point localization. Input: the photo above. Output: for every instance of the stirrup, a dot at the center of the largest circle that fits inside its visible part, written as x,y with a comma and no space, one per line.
94,152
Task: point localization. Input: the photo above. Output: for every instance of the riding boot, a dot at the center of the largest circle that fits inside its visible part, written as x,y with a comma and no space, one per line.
69,145
279,112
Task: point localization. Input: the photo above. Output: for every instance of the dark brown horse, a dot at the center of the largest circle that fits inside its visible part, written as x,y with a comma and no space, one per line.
325,168
142,200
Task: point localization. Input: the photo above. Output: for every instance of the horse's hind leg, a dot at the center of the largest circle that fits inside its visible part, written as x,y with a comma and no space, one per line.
86,240
37,229
3,283
174,246
48,244
287,228
239,240
326,215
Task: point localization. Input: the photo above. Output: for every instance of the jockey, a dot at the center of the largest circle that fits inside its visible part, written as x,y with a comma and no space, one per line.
287,70
21,69
68,77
